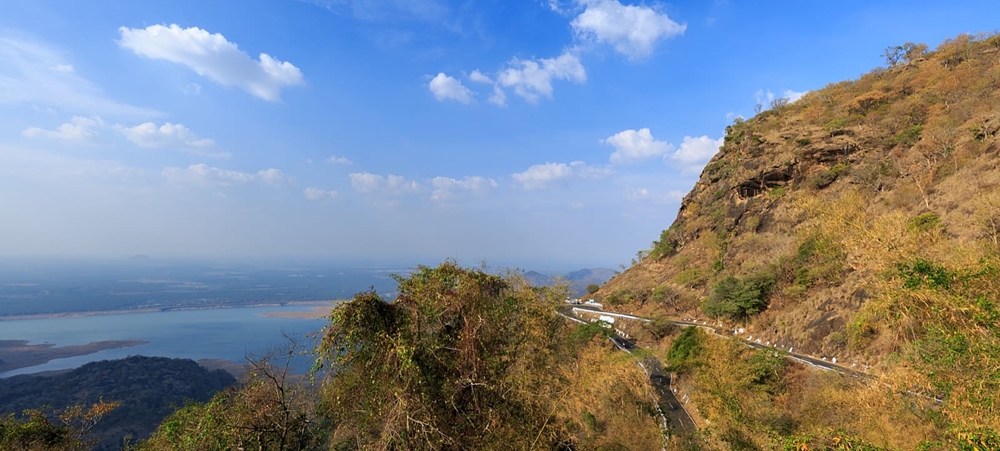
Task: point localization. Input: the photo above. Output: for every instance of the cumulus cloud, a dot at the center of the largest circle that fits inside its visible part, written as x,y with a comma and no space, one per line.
632,30
338,160
636,145
319,194
202,174
696,149
367,183
541,175
149,135
212,56
445,87
480,77
532,79
499,97
448,189
34,73
78,129
167,135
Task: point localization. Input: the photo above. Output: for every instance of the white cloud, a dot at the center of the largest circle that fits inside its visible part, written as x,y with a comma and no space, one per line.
586,171
447,188
697,150
166,135
541,175
272,176
212,56
499,98
318,194
632,30
533,78
445,87
338,160
78,129
364,182
202,174
149,135
794,96
763,97
636,145
34,73
633,194
480,77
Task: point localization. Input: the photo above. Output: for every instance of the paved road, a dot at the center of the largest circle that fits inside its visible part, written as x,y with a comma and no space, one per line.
679,421
819,363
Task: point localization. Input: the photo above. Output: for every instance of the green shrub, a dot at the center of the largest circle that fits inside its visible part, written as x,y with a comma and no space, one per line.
663,294
659,327
586,332
592,288
691,277
924,273
684,350
738,298
667,244
909,136
825,178
835,126
925,222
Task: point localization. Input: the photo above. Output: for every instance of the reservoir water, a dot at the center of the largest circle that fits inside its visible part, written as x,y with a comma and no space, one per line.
228,334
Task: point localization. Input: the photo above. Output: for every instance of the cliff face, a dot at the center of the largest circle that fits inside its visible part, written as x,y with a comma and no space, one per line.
823,207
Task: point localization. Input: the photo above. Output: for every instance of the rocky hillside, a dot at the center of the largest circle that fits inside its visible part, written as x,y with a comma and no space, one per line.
861,221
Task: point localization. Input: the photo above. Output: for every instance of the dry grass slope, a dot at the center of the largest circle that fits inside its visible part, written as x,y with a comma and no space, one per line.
874,207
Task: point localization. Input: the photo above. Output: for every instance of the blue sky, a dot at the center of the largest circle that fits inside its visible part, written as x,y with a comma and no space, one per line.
534,133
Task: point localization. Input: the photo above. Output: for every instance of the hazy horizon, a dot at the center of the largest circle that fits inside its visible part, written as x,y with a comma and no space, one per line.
552,132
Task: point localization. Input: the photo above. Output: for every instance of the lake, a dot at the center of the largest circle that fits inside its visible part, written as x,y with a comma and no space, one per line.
228,334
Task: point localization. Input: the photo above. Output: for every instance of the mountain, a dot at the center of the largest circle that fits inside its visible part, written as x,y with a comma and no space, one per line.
148,388
577,280
860,222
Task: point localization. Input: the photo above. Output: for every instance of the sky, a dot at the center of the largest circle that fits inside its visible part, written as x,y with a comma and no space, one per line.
533,133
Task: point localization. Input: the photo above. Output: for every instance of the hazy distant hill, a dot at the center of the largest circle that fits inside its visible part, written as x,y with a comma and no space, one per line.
578,280
149,388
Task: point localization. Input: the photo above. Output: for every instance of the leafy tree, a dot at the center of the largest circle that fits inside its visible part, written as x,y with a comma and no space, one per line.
269,412
738,298
685,349
35,431
462,359
592,288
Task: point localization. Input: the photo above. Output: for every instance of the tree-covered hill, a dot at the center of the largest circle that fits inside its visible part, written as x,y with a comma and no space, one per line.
146,388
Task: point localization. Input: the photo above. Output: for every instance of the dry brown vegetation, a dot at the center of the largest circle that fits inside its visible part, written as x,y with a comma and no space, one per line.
874,204
460,360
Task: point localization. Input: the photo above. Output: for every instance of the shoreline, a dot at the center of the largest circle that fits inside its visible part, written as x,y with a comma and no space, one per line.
18,354
318,312
318,304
